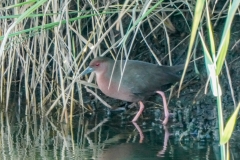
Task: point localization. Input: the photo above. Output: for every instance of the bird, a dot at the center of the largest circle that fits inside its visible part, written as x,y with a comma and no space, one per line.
133,80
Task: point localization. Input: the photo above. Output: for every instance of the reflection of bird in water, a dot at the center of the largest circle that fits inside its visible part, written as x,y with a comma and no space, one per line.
130,151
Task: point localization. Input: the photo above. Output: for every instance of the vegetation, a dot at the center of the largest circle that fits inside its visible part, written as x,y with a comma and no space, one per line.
45,45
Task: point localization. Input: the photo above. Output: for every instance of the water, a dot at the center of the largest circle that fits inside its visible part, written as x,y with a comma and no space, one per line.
34,137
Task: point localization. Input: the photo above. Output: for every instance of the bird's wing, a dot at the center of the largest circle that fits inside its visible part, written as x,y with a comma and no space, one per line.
145,78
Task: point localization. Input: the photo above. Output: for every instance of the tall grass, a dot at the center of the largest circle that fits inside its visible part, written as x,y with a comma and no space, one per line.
45,46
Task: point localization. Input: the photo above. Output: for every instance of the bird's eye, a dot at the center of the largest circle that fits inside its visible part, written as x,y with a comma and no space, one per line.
97,64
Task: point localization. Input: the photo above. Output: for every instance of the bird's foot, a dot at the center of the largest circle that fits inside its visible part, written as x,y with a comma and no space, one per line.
165,121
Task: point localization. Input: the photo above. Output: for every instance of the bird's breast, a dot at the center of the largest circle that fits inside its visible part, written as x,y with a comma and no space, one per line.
112,89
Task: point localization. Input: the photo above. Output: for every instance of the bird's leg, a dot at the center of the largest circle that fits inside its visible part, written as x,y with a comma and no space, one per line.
139,131
139,112
166,113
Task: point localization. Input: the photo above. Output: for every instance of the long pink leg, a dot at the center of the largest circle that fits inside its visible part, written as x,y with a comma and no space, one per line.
139,112
139,131
166,113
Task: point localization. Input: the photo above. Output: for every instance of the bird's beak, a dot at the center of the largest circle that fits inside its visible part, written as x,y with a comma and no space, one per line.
86,71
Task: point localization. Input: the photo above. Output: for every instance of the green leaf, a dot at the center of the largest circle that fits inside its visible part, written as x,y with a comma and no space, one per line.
196,20
215,86
210,33
229,127
222,52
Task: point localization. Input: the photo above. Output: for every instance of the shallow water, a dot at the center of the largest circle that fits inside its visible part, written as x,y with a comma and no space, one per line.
32,137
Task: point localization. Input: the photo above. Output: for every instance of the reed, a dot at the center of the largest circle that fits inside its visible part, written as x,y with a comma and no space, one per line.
45,45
